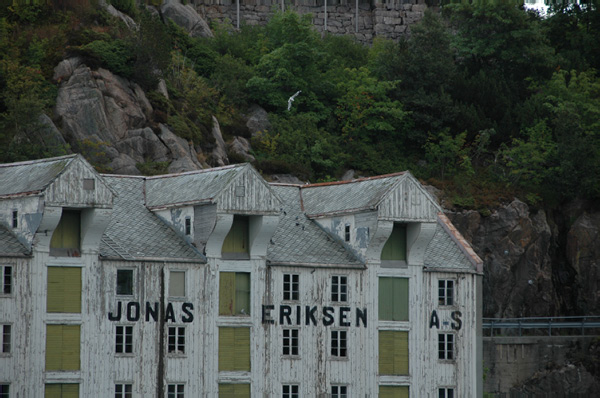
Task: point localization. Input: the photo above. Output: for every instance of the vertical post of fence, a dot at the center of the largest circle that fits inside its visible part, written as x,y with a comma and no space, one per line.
519,328
583,326
282,6
325,18
237,10
356,16
550,327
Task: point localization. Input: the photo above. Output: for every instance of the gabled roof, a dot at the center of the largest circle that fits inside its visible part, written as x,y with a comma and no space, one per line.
396,196
346,196
60,180
449,251
299,241
10,245
218,185
134,232
32,177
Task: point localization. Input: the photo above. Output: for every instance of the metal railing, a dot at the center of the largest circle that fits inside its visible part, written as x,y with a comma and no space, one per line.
568,324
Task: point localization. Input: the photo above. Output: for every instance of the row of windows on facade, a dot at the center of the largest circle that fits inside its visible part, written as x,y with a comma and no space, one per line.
63,346
66,237
177,390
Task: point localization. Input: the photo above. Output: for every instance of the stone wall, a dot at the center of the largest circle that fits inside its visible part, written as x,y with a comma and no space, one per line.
390,20
550,366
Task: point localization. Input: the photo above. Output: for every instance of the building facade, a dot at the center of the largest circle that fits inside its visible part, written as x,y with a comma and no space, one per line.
216,283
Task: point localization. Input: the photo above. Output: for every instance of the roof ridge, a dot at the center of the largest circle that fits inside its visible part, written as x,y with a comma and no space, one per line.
322,184
36,161
201,171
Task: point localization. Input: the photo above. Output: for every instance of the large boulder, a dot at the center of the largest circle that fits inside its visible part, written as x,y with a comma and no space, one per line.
184,156
186,17
107,118
241,148
257,120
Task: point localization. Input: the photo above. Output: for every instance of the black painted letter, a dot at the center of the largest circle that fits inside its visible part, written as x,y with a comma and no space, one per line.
327,316
170,314
266,314
284,312
117,317
434,320
133,317
457,324
361,315
186,308
310,315
151,312
343,316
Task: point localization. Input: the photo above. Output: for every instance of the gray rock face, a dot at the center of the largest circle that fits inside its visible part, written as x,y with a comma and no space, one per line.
183,154
241,147
583,254
219,152
287,179
100,109
515,247
186,17
258,120
127,20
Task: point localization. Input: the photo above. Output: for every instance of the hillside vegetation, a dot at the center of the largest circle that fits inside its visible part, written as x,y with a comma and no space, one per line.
483,101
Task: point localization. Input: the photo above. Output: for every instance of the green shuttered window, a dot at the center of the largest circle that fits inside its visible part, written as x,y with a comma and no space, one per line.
61,391
395,247
234,293
393,299
66,237
234,390
393,353
234,349
64,289
393,392
62,347
236,243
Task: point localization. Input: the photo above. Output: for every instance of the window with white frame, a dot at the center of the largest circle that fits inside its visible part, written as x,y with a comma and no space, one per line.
339,288
446,346
446,292
6,337
175,390
124,339
176,283
291,287
123,390
7,279
446,392
4,390
291,391
125,282
291,342
339,391
339,343
176,340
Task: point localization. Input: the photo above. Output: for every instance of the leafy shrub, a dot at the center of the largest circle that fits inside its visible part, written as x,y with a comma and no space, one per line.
115,55
126,6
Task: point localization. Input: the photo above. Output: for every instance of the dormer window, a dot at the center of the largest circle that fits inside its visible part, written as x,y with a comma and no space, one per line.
347,233
66,238
395,247
236,244
15,218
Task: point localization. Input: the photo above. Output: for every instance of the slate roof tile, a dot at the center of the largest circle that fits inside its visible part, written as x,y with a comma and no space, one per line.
300,241
134,232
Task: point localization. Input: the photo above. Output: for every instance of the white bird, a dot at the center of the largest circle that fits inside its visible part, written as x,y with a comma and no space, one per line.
291,99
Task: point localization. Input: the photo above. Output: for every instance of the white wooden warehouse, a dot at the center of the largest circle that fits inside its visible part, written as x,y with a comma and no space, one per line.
218,284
